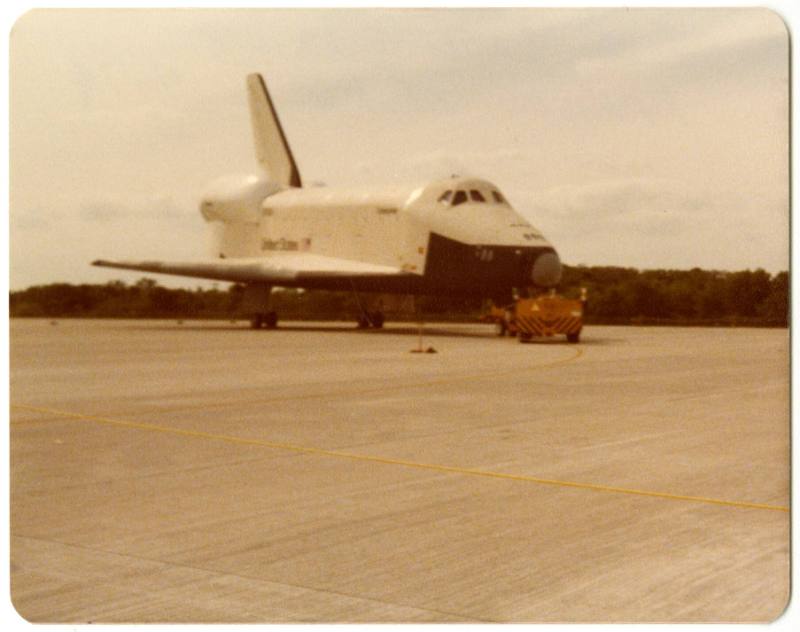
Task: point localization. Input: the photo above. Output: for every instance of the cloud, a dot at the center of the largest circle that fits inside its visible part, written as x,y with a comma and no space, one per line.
659,223
603,207
694,38
644,136
157,208
443,163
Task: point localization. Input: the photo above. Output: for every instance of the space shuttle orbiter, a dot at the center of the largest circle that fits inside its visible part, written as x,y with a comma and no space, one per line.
456,236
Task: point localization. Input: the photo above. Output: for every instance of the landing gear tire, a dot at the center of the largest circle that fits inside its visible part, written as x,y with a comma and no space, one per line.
524,337
573,338
371,319
377,319
500,328
268,320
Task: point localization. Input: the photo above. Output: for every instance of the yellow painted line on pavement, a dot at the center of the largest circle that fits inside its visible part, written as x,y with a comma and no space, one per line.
391,461
321,395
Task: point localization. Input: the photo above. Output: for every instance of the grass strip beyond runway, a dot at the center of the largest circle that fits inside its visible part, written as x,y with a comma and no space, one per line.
391,461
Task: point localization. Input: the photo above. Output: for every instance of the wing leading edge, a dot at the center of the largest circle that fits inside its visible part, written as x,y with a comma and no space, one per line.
288,270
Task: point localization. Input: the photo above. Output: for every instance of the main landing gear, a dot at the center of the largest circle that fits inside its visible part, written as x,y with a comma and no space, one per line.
255,301
371,319
264,319
367,318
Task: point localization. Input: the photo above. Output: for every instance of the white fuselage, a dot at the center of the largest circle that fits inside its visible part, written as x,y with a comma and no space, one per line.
458,236
391,226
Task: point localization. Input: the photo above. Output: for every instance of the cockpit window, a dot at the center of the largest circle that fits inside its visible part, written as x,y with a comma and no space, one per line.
476,195
498,197
444,198
459,198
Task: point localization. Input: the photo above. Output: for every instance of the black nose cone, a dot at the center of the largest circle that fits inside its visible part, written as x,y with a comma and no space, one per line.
546,271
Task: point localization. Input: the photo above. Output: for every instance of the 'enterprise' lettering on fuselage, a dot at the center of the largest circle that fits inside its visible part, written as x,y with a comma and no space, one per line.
285,244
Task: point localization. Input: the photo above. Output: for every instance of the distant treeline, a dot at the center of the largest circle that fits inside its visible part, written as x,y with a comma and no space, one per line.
693,297
615,296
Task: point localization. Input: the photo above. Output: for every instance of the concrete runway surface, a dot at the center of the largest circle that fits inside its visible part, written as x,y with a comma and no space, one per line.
204,472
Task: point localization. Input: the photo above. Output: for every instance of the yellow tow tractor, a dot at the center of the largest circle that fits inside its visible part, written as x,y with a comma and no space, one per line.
545,315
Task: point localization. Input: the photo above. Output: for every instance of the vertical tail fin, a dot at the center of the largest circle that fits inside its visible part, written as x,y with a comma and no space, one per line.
272,149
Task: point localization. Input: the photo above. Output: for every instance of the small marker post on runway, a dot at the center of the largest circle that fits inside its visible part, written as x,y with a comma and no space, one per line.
420,324
419,348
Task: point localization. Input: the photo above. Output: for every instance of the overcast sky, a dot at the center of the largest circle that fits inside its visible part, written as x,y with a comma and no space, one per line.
643,138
